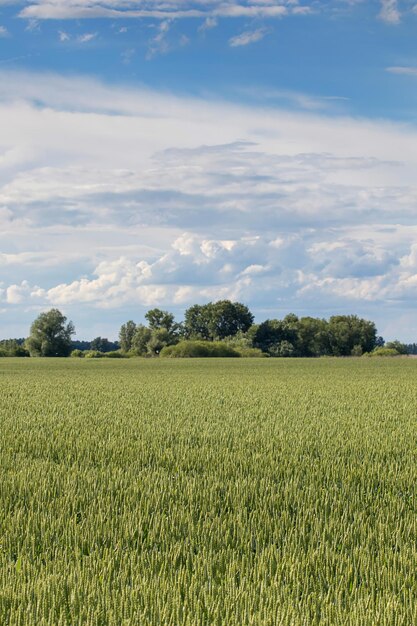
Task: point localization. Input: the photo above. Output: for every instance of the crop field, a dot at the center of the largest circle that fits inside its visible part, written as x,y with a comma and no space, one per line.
208,492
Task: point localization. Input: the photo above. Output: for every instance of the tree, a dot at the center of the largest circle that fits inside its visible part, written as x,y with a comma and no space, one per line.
349,331
160,319
401,348
196,323
270,334
228,318
50,335
141,339
217,320
312,337
101,344
126,334
164,322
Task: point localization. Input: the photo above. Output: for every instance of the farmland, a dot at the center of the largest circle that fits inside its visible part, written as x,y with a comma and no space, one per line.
208,492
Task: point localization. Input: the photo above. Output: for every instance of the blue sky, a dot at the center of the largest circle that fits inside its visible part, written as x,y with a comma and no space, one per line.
165,153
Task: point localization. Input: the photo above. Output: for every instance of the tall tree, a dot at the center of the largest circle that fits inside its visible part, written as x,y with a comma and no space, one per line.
102,344
160,319
126,334
347,332
141,339
50,335
217,320
196,323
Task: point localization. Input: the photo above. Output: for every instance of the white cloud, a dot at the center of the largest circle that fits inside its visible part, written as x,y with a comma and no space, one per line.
208,24
61,9
402,70
247,37
112,196
390,12
4,32
86,37
63,36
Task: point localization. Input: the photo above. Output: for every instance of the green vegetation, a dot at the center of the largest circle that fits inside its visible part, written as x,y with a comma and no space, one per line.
216,492
229,325
199,349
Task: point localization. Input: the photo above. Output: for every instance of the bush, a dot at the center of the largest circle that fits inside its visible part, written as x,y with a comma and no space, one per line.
282,349
115,354
77,354
198,349
382,352
401,348
93,354
250,352
357,350
3,353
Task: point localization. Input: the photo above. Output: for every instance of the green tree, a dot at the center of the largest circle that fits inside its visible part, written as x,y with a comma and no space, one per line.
217,320
141,339
50,335
160,337
160,319
196,322
349,331
126,334
270,333
401,348
101,344
312,337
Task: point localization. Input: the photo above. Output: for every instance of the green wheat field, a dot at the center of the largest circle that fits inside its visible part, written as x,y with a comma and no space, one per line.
208,492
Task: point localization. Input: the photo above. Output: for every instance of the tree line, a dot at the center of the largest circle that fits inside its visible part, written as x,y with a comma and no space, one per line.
222,328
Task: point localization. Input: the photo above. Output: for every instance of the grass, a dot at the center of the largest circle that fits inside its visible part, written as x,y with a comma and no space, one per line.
208,492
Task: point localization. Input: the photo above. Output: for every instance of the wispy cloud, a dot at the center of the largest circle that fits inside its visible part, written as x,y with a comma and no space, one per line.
4,32
86,37
63,36
248,37
208,24
61,9
390,12
159,44
290,98
402,70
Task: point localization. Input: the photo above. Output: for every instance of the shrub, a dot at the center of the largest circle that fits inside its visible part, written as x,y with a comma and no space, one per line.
250,352
115,354
77,354
382,352
93,354
401,348
199,349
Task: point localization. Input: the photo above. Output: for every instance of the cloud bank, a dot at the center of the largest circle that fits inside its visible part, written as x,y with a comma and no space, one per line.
390,11
117,198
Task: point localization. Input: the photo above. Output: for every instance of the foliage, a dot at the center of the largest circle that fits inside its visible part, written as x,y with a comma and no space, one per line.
348,331
401,348
233,492
217,320
247,352
78,354
50,335
115,354
140,340
384,351
13,347
93,354
126,334
186,349
102,344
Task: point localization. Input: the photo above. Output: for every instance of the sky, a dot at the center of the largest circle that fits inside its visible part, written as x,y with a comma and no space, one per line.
171,152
